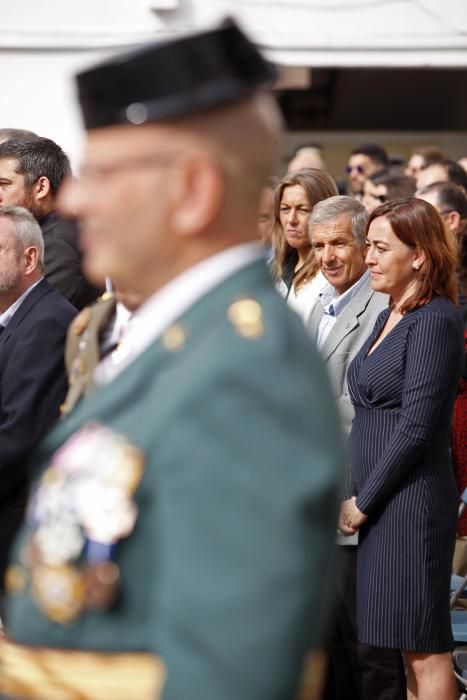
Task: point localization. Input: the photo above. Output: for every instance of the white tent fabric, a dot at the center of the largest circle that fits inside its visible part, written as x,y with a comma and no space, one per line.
292,32
43,43
344,33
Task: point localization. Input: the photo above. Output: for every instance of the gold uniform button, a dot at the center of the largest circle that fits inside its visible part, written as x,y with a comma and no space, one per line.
246,316
81,322
174,338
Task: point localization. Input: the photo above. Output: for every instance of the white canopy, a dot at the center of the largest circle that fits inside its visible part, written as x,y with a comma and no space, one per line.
293,32
344,33
43,43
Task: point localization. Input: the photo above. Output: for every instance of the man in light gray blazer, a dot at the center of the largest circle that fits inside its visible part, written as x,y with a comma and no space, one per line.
340,322
346,311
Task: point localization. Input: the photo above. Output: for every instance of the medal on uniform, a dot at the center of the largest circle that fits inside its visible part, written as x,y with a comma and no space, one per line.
58,542
101,585
82,506
59,592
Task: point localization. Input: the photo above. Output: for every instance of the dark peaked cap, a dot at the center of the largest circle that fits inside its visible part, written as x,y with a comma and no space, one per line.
174,78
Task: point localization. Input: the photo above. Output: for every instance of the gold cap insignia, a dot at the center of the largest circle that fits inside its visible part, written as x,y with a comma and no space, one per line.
246,316
81,322
174,338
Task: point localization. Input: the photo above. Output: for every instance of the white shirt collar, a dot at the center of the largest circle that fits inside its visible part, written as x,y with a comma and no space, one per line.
7,315
169,303
333,304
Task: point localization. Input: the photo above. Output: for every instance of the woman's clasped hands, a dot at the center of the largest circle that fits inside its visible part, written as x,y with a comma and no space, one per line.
350,518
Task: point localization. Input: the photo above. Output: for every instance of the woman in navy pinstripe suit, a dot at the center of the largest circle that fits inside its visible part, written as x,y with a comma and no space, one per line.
403,384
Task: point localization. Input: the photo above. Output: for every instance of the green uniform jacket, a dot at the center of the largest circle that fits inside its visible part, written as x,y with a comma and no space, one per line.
226,574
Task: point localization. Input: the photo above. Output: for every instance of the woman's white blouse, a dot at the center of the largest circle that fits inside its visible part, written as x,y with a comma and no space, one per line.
304,300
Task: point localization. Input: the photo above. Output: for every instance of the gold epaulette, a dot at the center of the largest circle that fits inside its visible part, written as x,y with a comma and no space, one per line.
39,673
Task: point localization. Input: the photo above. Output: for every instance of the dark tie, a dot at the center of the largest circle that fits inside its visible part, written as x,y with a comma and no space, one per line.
2,328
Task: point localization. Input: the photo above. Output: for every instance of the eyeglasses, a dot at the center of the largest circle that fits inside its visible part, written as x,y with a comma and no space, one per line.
359,168
100,172
380,197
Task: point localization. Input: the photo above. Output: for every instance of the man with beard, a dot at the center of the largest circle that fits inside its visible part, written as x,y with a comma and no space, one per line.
33,324
31,172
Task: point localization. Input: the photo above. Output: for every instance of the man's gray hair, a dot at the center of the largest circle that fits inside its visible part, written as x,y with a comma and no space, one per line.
326,211
26,231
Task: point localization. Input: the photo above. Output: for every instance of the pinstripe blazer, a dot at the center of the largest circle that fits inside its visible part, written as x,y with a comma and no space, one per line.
345,339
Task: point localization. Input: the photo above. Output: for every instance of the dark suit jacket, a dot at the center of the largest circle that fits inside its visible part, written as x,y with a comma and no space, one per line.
63,260
32,386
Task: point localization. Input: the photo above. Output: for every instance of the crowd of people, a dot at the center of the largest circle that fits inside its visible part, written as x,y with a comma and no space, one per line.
388,258
174,452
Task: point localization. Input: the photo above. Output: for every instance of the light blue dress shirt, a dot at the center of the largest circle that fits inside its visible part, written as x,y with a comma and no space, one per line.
334,304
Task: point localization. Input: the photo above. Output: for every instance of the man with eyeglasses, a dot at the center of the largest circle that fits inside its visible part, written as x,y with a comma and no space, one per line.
32,169
364,161
178,539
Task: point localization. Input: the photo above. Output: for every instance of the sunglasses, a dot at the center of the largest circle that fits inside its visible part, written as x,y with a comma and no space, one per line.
359,168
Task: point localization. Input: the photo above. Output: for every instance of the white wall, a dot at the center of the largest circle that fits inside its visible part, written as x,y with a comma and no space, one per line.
44,42
38,94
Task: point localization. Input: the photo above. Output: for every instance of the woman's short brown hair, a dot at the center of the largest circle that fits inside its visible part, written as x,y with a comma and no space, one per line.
318,185
418,224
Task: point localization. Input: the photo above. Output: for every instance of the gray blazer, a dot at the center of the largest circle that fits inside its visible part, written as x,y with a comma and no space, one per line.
345,339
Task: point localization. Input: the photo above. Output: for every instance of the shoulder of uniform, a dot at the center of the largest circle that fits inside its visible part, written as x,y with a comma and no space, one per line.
246,316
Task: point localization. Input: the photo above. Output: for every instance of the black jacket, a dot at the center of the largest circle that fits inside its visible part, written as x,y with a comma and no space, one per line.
32,386
63,260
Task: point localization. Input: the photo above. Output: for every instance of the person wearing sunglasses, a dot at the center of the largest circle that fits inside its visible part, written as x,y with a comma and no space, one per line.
364,161
384,187
443,171
421,157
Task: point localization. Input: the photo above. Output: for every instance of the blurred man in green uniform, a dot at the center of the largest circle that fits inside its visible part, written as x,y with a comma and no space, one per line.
179,537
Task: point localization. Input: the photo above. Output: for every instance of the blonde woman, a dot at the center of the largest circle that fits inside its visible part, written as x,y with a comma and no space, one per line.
295,267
